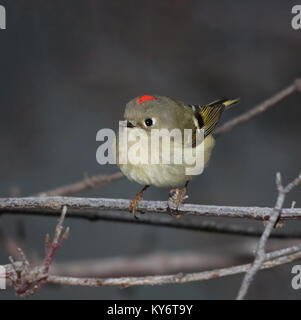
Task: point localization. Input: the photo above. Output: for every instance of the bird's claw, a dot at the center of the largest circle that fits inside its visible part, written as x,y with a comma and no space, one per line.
176,198
135,201
134,204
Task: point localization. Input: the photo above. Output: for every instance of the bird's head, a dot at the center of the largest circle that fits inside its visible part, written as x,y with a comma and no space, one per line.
152,112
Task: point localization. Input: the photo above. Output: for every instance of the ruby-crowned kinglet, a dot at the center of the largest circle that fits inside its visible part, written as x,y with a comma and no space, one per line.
146,113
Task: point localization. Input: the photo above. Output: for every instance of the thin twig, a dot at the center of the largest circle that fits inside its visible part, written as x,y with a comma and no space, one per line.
26,281
148,264
260,252
260,108
157,263
168,279
85,184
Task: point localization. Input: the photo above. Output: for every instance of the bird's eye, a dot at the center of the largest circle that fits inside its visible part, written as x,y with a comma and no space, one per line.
148,122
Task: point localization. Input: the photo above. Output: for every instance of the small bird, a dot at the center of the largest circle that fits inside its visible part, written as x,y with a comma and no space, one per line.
149,112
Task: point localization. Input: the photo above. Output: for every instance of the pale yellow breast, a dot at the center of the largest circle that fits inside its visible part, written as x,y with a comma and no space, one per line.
164,175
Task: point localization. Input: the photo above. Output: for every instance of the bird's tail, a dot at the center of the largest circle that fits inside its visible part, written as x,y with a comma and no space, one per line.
226,102
209,115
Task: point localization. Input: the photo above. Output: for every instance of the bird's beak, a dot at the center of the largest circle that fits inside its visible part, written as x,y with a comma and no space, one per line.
129,125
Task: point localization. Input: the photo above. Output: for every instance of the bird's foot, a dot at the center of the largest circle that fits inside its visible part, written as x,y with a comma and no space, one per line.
135,203
176,198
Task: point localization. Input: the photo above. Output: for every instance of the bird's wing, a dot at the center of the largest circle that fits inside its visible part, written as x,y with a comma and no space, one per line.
208,116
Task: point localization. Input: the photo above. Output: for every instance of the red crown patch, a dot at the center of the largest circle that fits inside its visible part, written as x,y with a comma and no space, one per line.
145,98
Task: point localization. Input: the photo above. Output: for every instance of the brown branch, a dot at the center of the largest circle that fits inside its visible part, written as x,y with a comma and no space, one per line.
147,264
260,108
169,279
260,252
87,183
28,281
158,262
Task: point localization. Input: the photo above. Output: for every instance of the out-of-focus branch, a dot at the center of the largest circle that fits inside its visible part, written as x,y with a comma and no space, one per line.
147,264
87,183
10,244
272,260
78,207
260,252
260,108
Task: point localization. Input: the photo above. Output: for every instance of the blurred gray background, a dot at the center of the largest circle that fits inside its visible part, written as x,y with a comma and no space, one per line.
67,68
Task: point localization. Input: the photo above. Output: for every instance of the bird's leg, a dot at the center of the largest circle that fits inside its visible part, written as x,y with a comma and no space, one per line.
135,201
176,198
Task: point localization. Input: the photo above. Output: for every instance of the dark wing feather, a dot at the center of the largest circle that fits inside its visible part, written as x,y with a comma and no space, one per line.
208,116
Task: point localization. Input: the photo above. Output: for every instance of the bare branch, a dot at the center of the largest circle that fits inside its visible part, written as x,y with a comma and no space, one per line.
26,281
29,281
147,264
272,260
156,263
57,241
260,108
89,208
87,183
161,220
260,252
